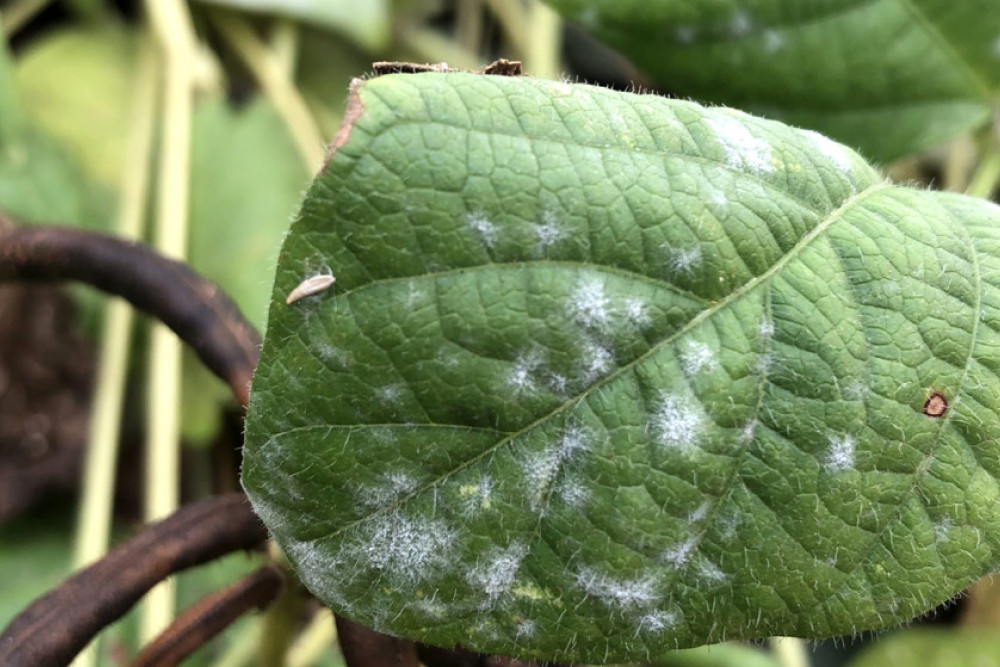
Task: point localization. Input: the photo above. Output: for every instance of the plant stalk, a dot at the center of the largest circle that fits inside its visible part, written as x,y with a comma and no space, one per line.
790,651
545,44
175,33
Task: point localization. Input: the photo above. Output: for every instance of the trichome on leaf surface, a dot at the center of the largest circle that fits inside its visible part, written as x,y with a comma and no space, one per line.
605,375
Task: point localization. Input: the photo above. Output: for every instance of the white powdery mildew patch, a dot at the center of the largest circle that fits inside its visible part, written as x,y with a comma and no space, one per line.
829,149
682,261
406,550
522,377
572,492
679,555
389,394
941,529
741,24
709,571
597,361
636,312
676,424
773,40
840,457
394,486
542,468
618,593
487,230
743,150
700,513
526,628
685,34
476,497
495,575
717,203
657,621
590,306
749,431
856,391
697,357
548,231
766,328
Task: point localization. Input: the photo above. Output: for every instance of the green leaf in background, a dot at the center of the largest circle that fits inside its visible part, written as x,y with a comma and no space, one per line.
604,375
75,85
933,647
718,655
367,23
246,180
890,77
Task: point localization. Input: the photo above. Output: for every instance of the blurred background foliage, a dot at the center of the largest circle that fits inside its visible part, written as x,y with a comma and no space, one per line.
85,140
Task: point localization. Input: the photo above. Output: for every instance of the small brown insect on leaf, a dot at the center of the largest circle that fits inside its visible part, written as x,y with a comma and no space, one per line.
936,405
310,286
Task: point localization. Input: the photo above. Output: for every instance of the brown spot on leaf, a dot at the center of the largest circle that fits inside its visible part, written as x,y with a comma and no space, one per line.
936,405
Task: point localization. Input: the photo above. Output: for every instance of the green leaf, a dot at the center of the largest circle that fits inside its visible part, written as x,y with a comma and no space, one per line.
934,647
367,23
718,655
890,77
604,375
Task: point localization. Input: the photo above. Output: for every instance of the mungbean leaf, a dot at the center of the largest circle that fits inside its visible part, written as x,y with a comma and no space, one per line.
603,375
888,77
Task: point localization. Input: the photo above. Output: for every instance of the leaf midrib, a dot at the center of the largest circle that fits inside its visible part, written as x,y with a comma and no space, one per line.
694,322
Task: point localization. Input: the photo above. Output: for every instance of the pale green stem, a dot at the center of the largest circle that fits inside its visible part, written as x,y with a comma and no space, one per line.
285,46
469,25
514,19
545,45
790,651
315,641
276,85
19,14
93,532
433,47
986,177
175,33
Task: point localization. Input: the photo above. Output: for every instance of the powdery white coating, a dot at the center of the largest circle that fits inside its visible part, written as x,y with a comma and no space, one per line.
766,328
394,486
589,305
496,573
942,528
830,149
717,203
840,457
685,34
683,261
526,628
477,496
522,376
676,424
749,431
636,312
310,286
764,363
389,394
406,550
657,621
572,492
700,513
743,150
856,391
709,571
697,357
741,24
548,231
773,40
597,360
679,555
487,230
542,468
618,593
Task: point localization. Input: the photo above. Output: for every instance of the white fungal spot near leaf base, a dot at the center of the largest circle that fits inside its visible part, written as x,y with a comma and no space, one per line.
596,360
841,454
700,513
590,306
829,149
942,528
311,286
487,230
495,574
548,231
405,550
526,628
522,377
393,487
617,593
697,357
657,621
676,424
682,261
709,571
679,555
766,328
743,150
542,468
572,492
